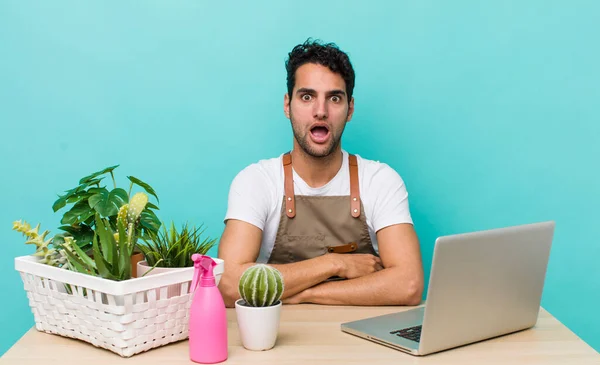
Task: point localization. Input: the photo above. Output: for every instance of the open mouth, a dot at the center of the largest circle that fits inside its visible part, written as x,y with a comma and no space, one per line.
319,133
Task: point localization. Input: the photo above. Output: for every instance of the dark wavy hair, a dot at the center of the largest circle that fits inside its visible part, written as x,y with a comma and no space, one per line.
328,55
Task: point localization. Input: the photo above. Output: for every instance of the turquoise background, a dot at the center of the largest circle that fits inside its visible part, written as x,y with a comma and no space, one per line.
488,110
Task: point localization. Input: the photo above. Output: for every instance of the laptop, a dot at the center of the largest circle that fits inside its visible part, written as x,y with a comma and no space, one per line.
482,285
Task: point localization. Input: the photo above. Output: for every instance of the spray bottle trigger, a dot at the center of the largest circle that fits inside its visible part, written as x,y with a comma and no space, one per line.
197,258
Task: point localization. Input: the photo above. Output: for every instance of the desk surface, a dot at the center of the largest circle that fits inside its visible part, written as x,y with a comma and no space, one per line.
311,334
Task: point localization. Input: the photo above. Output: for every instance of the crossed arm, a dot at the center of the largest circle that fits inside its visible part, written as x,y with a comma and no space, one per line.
396,278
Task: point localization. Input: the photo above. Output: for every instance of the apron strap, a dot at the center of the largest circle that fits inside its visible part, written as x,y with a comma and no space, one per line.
290,208
354,188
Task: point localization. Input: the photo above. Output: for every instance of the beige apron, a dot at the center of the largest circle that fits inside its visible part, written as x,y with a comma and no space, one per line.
312,226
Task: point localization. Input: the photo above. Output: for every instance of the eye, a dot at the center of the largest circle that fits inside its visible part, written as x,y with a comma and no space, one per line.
336,99
306,97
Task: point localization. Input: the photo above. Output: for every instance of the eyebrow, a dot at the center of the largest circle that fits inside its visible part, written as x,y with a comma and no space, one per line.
313,91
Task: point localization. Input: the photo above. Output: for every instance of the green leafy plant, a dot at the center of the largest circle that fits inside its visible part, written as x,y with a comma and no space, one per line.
111,251
261,285
173,248
91,198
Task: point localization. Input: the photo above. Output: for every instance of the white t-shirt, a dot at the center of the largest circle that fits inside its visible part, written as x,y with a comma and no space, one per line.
256,195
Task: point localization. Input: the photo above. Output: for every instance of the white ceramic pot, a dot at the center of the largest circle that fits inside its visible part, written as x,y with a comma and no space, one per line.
173,290
258,326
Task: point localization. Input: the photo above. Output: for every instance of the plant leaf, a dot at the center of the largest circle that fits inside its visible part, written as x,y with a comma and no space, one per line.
108,204
92,182
173,248
145,186
121,193
100,263
94,190
107,240
89,221
82,233
124,262
78,196
78,213
69,194
77,263
151,206
84,257
58,240
59,203
122,243
97,173
150,221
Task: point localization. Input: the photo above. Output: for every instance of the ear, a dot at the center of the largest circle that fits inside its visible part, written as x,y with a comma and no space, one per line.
350,109
286,105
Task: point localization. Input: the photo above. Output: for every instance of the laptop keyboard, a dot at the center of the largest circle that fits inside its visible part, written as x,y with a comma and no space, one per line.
411,333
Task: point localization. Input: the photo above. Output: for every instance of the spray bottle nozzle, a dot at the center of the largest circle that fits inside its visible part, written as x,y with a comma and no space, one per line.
203,266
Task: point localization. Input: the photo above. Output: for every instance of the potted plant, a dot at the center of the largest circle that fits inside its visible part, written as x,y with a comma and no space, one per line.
259,308
89,198
82,283
111,255
171,249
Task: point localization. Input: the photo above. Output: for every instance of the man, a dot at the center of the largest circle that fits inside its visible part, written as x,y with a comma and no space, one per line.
319,214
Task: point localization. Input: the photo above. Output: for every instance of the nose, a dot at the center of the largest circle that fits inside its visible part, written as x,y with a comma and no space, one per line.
320,111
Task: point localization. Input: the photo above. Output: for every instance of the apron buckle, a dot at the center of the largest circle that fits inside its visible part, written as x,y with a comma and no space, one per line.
347,248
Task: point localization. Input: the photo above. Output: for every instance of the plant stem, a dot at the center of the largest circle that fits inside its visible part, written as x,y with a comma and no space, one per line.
153,267
113,179
130,187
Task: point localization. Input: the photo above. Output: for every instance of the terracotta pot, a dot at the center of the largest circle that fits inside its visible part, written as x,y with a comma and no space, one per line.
135,258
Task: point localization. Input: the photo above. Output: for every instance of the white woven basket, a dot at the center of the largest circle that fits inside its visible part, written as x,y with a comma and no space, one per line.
126,317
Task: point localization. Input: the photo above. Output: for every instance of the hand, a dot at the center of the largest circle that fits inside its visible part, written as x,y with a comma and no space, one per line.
356,265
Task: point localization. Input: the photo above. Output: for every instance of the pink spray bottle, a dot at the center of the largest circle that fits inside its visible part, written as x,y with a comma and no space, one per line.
208,317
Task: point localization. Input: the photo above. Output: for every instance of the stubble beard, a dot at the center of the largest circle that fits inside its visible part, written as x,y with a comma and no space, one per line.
304,143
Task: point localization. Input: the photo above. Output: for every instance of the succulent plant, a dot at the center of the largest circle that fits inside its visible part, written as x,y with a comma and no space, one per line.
44,247
261,285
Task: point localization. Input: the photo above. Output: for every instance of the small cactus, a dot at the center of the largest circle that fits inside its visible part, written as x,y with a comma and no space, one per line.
129,215
136,206
261,285
122,215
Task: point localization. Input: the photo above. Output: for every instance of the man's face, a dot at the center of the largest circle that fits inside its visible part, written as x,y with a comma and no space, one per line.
319,109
